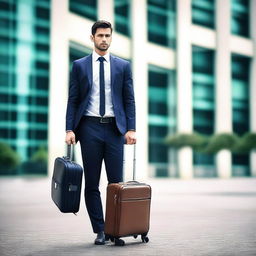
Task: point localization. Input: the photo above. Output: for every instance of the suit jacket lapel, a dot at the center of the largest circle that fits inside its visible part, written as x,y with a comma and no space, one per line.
88,68
112,71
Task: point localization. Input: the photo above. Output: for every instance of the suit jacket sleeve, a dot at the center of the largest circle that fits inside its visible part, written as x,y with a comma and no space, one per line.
73,99
128,97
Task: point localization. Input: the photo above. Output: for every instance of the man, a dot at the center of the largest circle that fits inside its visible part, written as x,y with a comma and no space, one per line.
101,115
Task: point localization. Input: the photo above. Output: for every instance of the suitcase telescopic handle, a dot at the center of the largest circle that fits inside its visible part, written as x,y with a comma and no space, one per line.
134,162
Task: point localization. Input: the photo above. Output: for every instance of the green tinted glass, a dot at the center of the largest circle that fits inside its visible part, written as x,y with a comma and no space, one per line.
240,17
122,16
24,76
240,108
203,97
162,115
85,8
203,12
162,22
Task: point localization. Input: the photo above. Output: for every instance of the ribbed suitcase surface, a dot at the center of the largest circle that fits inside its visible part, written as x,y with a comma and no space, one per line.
66,185
127,209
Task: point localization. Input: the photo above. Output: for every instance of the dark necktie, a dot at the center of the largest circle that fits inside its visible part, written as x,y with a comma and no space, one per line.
102,86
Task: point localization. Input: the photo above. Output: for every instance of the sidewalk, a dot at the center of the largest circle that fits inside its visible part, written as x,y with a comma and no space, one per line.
196,217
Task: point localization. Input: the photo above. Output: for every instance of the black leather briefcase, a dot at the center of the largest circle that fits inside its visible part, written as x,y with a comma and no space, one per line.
66,184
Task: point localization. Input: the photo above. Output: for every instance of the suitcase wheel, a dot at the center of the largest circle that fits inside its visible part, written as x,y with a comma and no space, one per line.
119,242
111,238
144,239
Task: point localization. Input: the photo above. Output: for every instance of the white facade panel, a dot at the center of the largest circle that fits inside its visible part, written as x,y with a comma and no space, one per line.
203,37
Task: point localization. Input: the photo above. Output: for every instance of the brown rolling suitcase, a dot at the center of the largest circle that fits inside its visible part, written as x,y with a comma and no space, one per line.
127,210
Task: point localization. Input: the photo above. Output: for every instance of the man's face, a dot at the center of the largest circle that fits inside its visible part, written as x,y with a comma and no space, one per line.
102,39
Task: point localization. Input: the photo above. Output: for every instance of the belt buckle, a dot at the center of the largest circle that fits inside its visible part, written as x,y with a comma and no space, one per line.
104,120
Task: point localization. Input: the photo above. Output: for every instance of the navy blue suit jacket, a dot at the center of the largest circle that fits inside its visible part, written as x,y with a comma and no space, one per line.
121,91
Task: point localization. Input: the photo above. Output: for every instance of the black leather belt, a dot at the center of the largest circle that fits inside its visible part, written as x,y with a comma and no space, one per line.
102,120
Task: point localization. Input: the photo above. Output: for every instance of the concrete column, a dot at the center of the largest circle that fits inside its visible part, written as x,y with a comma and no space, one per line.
253,83
184,84
106,11
140,79
59,74
223,83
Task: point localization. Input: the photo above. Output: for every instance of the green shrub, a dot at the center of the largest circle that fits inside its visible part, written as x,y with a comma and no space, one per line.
9,159
246,143
37,164
40,156
221,141
215,143
194,140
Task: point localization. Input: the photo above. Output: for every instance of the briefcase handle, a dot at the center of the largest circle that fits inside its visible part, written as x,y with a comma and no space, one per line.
69,151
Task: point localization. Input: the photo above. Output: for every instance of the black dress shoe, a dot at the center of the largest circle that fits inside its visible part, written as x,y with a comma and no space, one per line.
100,239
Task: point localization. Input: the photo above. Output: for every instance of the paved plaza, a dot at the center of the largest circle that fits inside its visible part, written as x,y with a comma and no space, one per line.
188,217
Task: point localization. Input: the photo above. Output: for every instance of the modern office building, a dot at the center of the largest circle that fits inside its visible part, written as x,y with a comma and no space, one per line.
194,69
24,74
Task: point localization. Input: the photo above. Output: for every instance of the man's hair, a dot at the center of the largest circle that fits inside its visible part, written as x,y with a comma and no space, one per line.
100,24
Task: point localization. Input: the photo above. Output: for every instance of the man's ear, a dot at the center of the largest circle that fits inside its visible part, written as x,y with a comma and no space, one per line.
91,37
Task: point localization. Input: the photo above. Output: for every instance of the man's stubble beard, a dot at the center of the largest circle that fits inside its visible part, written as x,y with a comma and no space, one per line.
102,49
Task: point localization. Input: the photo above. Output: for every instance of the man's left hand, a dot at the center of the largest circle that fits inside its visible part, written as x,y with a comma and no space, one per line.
130,137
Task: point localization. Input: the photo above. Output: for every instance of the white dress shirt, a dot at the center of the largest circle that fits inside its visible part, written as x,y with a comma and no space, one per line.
93,108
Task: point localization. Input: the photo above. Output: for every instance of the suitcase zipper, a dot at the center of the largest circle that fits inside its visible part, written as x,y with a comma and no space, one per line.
135,199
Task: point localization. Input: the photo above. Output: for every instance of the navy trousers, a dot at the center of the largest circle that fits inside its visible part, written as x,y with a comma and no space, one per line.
99,141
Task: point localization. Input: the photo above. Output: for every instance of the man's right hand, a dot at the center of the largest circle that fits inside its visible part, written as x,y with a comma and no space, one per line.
70,138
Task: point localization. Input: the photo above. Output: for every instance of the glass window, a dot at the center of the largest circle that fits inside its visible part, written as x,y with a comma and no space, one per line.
37,117
203,97
42,30
203,12
240,17
4,79
158,153
38,100
240,93
122,17
37,134
42,13
240,106
85,8
41,82
42,47
9,133
162,22
162,116
8,6
43,65
77,51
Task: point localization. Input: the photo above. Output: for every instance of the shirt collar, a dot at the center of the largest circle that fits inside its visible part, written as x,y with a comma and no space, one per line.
95,56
